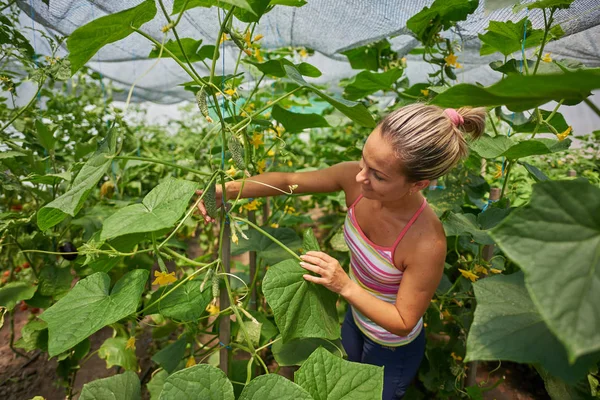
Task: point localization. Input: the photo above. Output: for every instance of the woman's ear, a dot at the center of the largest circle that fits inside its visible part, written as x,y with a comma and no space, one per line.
420,185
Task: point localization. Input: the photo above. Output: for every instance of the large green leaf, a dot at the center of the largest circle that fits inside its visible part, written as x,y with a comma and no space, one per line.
507,326
86,40
507,37
54,281
268,250
273,387
555,239
34,335
14,292
119,387
302,309
201,381
529,125
461,224
156,383
186,303
367,82
503,146
89,307
309,241
71,202
160,209
115,352
193,49
275,68
170,357
353,110
296,122
296,351
327,377
444,12
520,93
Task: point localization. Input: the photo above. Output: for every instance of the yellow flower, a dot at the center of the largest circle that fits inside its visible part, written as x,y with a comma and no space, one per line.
498,173
455,357
223,38
446,314
258,37
230,92
271,153
268,114
469,275
303,53
130,343
252,206
261,165
274,225
231,171
289,163
425,92
563,136
234,237
495,271
257,140
250,107
163,278
403,62
247,38
212,309
279,129
458,65
480,269
289,210
209,119
248,52
190,362
258,56
451,59
547,58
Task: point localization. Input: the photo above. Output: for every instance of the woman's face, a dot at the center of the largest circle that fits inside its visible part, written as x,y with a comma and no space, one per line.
380,176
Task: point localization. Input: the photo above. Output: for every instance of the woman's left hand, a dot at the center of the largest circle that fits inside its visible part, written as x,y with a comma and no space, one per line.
333,276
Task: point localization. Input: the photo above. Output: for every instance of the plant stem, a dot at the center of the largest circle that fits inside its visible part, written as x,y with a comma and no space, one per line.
218,42
592,106
157,161
547,24
283,246
269,105
22,110
508,168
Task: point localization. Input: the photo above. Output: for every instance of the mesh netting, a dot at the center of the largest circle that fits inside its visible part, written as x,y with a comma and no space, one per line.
328,26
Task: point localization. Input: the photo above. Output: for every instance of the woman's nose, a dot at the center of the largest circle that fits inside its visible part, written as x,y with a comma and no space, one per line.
361,177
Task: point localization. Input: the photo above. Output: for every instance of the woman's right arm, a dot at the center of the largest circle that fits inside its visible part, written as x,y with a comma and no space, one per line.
331,179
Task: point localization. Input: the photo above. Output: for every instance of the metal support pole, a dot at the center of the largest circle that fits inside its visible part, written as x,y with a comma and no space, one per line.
225,321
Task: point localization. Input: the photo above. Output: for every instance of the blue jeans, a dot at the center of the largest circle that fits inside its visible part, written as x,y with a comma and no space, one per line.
401,363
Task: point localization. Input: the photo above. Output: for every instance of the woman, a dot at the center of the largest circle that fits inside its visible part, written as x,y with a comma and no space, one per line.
397,243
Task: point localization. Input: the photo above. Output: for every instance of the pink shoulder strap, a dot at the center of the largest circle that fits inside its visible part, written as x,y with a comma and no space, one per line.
407,227
356,201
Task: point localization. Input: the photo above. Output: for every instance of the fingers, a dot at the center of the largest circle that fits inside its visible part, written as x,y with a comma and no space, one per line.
313,259
320,255
314,279
312,268
202,208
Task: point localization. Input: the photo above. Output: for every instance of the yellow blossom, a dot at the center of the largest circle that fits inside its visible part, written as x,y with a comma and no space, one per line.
289,163
190,362
231,171
130,343
303,53
425,92
498,173
223,38
271,153
455,357
209,119
495,271
563,136
230,92
289,210
258,56
234,237
547,58
469,275
261,165
257,37
248,38
274,225
248,52
257,140
279,129
268,114
212,309
250,107
252,206
163,278
458,65
480,269
446,314
451,59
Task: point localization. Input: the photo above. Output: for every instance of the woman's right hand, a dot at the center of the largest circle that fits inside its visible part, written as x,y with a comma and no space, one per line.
202,208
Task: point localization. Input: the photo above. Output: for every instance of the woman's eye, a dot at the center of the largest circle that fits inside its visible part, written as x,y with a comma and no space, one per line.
377,176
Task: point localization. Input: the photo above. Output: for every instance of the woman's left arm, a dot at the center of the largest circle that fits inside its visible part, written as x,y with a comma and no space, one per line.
419,282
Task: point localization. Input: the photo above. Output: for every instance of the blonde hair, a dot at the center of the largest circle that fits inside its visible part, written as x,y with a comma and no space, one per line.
427,140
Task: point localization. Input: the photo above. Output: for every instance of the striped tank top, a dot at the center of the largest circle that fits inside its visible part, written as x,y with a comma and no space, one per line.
372,267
